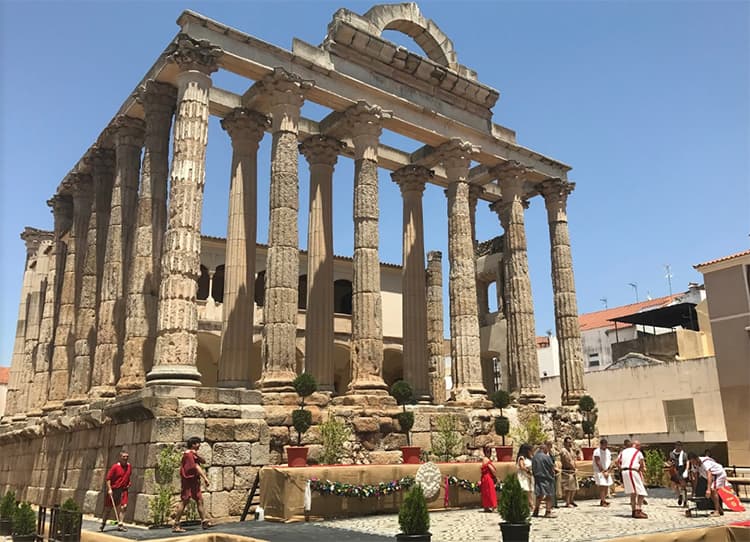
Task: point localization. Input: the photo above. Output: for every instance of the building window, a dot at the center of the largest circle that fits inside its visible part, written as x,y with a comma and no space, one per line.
680,416
594,359
497,373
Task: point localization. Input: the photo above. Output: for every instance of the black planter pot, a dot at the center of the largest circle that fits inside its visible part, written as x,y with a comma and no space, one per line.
24,537
401,537
6,527
515,532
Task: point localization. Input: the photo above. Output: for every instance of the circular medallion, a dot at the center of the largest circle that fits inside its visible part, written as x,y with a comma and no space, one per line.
429,477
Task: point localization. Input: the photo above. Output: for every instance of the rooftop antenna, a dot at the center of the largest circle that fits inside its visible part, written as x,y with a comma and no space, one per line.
668,276
634,285
604,300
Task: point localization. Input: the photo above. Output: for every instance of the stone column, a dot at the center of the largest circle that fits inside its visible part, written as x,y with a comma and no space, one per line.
521,335
101,163
321,153
62,358
436,361
177,325
364,122
62,209
285,94
468,385
128,133
411,180
158,100
21,369
246,128
555,194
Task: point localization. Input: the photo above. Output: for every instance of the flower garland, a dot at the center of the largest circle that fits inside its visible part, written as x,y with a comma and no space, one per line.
363,491
468,485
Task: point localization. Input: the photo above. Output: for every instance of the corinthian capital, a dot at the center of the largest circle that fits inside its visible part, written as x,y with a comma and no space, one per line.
281,93
555,193
62,210
412,178
320,149
128,131
511,176
456,155
198,55
245,127
82,187
157,98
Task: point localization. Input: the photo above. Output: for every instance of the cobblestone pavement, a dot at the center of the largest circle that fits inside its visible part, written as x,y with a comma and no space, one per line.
585,523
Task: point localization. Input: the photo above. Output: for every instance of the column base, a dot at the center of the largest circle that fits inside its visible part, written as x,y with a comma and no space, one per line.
76,400
102,392
473,397
364,400
572,398
173,375
531,397
52,406
277,381
368,387
129,385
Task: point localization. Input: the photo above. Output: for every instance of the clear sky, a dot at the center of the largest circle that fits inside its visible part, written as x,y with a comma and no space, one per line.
648,101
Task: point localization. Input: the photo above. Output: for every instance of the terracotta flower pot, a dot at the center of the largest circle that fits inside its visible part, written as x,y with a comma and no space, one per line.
588,452
410,454
296,456
504,453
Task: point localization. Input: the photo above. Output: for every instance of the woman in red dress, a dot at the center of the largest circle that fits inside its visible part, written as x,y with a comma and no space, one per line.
487,486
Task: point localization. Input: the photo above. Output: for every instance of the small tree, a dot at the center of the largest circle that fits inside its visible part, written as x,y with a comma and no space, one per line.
513,503
587,406
69,523
167,464
24,521
333,434
529,429
401,391
8,505
654,470
413,517
501,399
447,441
305,386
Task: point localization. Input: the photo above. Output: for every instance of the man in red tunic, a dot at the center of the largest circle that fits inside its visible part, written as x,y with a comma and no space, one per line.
191,475
118,482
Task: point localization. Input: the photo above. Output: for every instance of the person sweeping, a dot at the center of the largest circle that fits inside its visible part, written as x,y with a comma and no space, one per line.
117,482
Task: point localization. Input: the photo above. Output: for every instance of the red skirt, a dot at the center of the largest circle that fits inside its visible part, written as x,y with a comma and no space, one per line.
119,496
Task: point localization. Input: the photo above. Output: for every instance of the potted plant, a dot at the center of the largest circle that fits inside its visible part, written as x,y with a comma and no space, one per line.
8,507
305,386
24,524
587,406
413,517
68,524
513,506
401,391
501,399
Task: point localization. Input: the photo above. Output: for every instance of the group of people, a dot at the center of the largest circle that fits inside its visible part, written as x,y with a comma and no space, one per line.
537,475
118,481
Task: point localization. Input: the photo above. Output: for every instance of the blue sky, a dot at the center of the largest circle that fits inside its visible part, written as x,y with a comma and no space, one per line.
648,101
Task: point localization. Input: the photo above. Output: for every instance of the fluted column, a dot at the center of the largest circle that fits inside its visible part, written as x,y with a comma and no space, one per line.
321,153
176,352
411,180
555,193
80,185
520,307
468,385
22,369
62,209
142,291
128,135
436,361
284,92
246,128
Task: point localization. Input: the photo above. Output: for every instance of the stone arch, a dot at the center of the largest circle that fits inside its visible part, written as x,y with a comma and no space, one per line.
407,18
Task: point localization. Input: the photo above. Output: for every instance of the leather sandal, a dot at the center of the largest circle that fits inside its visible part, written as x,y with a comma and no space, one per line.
178,529
206,524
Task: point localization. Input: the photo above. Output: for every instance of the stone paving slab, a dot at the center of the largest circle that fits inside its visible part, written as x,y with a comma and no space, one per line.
588,522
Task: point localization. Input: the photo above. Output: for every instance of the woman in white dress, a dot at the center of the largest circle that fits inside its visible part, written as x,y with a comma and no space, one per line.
525,477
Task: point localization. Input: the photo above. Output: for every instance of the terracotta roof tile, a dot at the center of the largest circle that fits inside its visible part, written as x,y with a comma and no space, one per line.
4,375
722,259
600,319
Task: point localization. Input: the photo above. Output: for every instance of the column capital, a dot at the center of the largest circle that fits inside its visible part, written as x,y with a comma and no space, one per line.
157,98
434,256
321,149
128,131
62,211
456,155
82,187
282,94
99,157
412,178
245,127
555,193
194,55
34,237
361,122
511,177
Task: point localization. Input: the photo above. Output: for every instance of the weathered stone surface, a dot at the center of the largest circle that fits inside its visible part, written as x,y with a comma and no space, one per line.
279,436
231,453
364,425
385,457
215,477
220,430
260,454
193,427
167,430
435,360
220,504
237,500
228,478
394,441
245,476
251,430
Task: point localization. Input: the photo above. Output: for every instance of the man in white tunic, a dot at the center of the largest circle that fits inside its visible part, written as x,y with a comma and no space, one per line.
602,468
715,476
632,465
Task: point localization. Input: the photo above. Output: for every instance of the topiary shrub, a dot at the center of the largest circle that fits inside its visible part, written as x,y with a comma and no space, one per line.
305,386
513,503
501,399
402,392
587,406
24,521
413,517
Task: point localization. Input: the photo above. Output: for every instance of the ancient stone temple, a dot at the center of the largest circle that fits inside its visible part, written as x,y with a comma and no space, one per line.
135,330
